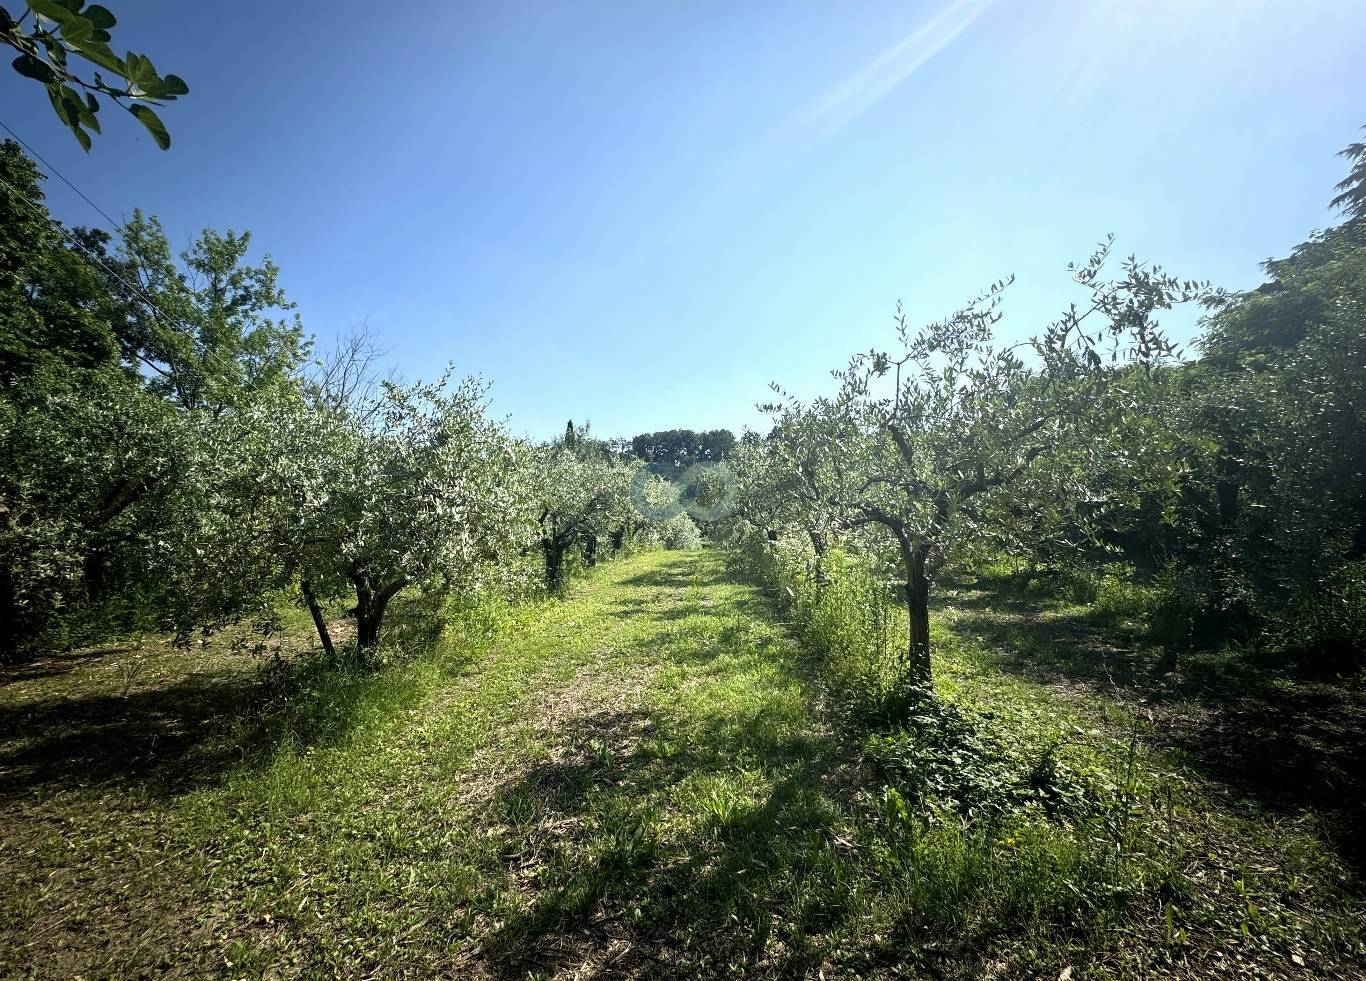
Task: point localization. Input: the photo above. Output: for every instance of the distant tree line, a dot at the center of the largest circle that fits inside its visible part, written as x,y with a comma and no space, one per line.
672,451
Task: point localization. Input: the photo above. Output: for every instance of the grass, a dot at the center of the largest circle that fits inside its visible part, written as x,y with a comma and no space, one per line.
648,777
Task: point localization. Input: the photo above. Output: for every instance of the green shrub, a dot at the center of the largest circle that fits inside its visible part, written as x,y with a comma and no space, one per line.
848,616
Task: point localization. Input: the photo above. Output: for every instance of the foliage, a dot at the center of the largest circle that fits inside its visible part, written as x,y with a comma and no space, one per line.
61,28
957,446
709,494
174,458
1267,433
943,758
54,305
203,328
92,464
581,499
93,456
1351,196
680,532
168,453
671,452
410,487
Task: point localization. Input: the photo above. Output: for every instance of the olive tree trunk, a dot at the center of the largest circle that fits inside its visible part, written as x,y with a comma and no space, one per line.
554,550
914,556
315,611
370,606
918,607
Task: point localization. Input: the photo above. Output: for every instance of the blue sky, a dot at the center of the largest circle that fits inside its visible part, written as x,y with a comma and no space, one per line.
640,213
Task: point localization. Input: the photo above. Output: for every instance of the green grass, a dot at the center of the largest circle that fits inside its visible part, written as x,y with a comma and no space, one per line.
648,777
1136,843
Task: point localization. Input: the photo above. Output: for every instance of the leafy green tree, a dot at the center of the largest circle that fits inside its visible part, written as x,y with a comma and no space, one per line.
91,456
954,444
1272,437
54,303
710,492
49,32
681,532
793,481
672,451
210,329
90,463
206,330
582,498
415,487
105,400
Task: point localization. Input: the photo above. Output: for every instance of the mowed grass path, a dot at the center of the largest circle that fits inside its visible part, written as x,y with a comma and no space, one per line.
635,780
641,779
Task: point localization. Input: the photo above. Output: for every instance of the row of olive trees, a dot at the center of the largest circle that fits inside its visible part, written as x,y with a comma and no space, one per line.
307,487
177,455
399,486
1236,475
957,444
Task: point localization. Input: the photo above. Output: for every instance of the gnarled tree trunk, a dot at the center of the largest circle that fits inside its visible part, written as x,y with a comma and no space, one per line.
914,556
553,550
370,606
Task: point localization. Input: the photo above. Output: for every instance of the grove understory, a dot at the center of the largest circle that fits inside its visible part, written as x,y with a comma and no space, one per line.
658,774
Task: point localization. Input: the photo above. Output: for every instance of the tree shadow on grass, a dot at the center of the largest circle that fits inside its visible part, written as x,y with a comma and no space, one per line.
158,737
178,735
695,573
642,852
622,899
55,665
1278,742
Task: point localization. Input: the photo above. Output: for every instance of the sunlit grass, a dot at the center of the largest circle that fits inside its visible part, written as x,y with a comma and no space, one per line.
651,777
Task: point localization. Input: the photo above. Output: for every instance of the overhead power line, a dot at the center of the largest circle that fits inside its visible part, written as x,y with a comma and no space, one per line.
205,355
43,160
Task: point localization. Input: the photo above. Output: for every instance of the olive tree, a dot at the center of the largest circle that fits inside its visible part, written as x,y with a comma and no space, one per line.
91,465
795,479
582,497
681,533
410,486
954,442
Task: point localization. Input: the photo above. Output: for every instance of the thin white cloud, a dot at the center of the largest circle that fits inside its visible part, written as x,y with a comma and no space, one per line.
846,101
